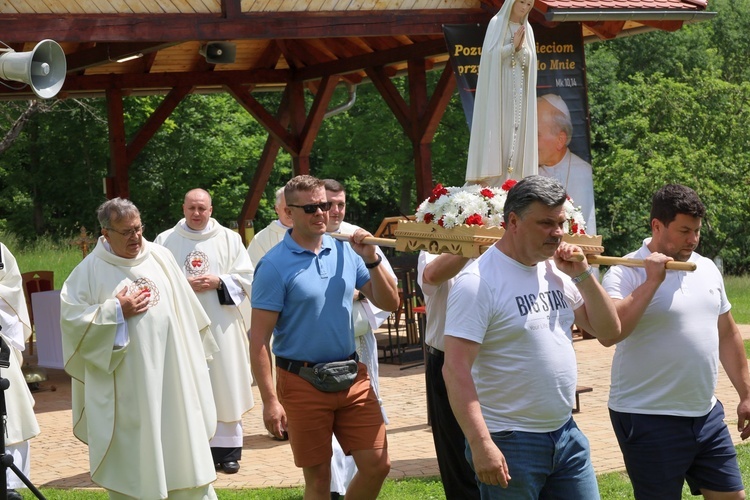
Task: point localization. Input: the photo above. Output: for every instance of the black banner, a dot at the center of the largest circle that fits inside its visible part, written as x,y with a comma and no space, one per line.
560,70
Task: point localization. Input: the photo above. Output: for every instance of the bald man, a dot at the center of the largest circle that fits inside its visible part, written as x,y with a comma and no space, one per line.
220,273
559,162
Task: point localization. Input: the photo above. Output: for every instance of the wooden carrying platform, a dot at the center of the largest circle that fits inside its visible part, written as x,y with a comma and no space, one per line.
469,241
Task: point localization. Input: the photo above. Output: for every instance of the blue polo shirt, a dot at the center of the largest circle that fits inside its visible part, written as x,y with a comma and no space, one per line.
313,296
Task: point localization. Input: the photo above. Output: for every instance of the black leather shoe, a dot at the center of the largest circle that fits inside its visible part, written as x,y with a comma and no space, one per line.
14,495
230,467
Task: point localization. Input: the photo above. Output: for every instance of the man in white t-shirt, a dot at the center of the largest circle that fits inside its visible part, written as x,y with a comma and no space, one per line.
676,328
436,275
510,367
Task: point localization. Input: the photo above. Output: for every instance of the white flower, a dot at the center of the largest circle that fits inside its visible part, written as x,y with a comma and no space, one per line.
475,205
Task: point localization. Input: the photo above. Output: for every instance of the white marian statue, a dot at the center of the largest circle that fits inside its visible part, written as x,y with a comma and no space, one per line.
503,142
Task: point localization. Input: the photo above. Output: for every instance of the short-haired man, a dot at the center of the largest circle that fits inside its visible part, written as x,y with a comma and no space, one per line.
272,234
302,295
220,273
367,318
510,367
558,161
135,342
676,328
436,275
15,330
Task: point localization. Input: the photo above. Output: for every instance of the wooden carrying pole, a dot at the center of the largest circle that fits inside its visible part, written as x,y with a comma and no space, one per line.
592,258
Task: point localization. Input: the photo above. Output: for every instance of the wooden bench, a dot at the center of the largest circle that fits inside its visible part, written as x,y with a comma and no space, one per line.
579,390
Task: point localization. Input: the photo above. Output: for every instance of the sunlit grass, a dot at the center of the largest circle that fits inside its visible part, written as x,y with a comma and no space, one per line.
738,291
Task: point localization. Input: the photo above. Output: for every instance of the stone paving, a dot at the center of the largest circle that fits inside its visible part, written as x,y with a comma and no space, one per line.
61,461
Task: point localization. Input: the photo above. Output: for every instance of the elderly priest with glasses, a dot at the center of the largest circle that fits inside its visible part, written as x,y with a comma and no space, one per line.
135,342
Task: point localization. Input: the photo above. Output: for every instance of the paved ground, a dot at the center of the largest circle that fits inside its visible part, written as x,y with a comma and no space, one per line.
61,461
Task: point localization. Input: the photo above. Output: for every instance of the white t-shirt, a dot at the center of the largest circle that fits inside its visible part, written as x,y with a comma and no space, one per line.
525,372
435,302
669,364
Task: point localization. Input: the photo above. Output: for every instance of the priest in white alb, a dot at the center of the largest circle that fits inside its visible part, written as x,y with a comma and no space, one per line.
135,342
21,424
219,271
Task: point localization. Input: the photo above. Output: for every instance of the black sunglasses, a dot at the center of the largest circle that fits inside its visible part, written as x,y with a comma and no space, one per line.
312,208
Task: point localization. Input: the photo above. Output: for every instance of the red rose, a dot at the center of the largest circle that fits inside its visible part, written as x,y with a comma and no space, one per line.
440,222
574,228
474,220
437,192
487,193
428,218
509,184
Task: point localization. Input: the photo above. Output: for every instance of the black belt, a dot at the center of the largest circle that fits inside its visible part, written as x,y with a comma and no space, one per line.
435,352
293,366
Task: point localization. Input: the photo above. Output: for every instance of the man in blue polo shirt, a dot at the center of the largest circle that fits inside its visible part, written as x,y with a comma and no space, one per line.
302,292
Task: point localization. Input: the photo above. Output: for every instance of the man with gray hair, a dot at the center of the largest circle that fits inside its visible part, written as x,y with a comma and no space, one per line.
135,343
510,367
556,160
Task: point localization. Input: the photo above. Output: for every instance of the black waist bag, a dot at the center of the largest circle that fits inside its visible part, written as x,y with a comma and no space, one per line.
331,377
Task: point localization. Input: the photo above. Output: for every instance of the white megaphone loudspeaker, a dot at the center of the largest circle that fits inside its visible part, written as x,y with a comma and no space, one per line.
43,69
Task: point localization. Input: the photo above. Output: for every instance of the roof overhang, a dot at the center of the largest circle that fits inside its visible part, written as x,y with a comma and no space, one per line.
604,15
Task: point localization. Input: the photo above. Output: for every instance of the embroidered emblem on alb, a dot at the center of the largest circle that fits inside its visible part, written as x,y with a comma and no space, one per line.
196,263
145,284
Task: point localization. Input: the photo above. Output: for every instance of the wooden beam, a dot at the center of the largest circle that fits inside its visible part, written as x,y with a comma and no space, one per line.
300,160
439,101
317,112
606,30
265,166
155,121
206,27
74,83
231,8
399,54
417,97
118,162
106,53
288,141
391,96
420,144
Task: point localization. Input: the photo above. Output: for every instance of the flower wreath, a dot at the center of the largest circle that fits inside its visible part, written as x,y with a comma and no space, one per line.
476,205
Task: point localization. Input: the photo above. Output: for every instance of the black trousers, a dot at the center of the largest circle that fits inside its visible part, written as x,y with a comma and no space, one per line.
222,455
459,481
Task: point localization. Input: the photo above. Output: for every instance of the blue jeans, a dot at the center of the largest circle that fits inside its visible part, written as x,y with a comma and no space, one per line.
544,465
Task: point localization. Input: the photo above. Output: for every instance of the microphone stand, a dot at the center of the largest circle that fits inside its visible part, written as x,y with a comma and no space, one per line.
6,459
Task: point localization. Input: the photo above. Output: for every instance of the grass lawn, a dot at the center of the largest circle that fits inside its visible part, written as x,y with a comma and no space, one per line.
613,485
738,291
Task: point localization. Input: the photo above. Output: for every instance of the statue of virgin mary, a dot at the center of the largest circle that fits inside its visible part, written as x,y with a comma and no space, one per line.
503,142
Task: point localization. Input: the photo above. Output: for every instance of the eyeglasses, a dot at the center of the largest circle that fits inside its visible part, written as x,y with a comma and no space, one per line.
312,208
130,232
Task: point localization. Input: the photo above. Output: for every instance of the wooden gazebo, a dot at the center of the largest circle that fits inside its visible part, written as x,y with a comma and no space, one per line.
116,48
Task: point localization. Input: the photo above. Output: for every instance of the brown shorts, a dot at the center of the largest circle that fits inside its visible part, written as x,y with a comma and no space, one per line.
313,417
